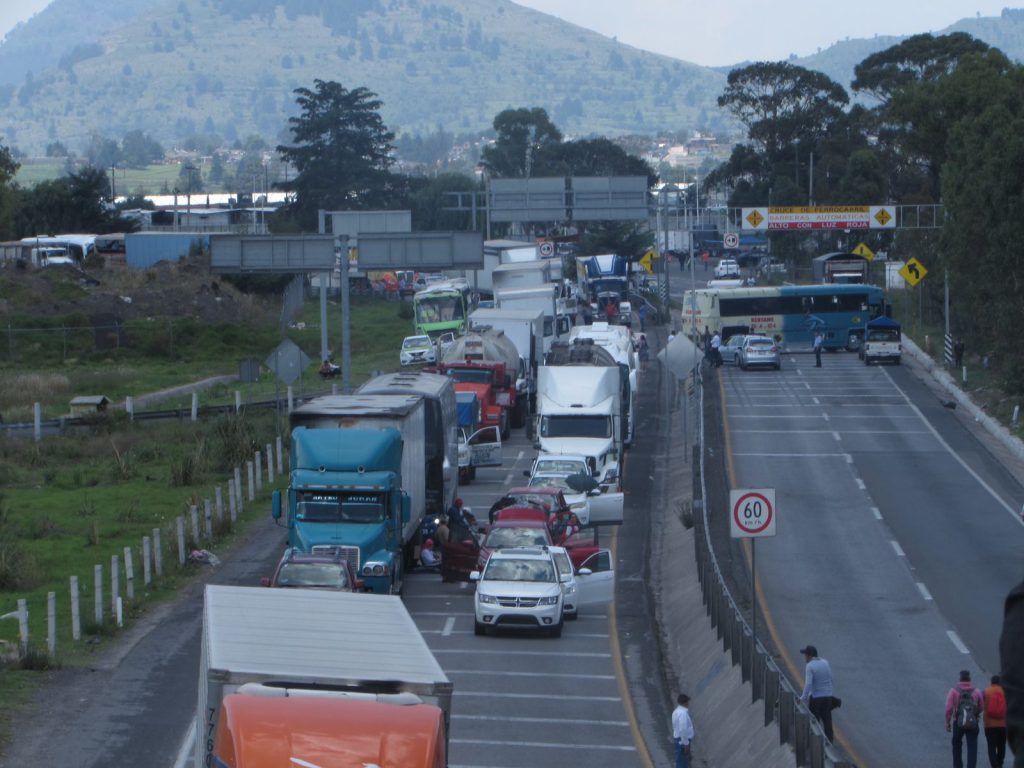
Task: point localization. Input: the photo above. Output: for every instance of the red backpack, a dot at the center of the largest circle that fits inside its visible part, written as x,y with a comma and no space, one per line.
995,705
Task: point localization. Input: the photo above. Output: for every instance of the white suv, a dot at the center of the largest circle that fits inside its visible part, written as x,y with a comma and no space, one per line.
519,587
727,268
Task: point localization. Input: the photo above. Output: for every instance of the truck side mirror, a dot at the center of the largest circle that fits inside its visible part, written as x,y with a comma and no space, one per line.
275,505
406,508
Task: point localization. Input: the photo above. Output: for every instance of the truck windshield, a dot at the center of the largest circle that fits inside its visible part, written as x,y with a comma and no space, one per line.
471,375
324,575
341,508
576,426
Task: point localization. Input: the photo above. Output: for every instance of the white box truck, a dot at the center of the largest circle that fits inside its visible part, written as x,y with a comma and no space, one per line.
525,329
278,647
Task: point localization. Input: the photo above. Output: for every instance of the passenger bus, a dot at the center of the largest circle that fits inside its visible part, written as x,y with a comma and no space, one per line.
443,307
792,314
78,247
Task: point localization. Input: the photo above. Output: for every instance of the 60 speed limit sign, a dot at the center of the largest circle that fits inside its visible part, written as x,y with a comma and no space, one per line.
752,512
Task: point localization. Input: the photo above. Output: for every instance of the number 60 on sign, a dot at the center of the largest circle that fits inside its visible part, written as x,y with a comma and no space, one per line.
752,512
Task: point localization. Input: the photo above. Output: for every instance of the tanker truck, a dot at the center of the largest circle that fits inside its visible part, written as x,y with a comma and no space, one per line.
487,362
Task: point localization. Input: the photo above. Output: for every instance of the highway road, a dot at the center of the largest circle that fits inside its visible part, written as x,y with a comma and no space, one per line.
898,538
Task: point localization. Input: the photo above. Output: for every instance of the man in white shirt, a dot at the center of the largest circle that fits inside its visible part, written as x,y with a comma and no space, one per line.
817,693
716,347
682,731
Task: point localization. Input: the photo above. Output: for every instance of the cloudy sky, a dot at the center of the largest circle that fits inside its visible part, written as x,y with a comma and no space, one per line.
719,32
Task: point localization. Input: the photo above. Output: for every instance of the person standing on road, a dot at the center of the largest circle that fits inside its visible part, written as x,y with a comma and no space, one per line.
682,731
995,722
716,350
818,341
964,705
817,694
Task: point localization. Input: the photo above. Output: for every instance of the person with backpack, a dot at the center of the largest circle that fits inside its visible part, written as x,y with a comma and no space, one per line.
964,705
995,722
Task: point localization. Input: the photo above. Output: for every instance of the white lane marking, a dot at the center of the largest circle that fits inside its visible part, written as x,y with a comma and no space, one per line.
569,675
546,744
807,385
519,456
849,458
924,591
790,455
1013,513
566,720
508,479
877,513
897,549
956,641
824,416
187,748
546,654
816,401
860,483
460,693
449,625
835,436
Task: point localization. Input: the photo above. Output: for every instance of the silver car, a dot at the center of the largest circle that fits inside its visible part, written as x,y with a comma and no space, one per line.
731,349
759,351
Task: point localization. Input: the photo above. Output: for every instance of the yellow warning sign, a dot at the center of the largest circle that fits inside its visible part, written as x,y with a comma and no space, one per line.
913,271
883,217
755,218
864,252
645,261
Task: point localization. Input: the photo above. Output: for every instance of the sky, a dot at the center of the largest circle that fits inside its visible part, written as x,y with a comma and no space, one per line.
718,32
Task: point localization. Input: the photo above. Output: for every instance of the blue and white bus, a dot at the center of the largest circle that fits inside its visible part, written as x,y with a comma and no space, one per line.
792,314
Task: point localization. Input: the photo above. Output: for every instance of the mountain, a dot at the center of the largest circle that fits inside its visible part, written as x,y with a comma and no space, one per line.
174,68
230,66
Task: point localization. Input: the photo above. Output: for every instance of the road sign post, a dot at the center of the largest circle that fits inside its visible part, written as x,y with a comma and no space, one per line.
752,516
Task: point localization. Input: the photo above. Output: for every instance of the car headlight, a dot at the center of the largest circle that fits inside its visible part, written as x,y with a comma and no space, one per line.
552,600
570,589
578,504
486,598
376,569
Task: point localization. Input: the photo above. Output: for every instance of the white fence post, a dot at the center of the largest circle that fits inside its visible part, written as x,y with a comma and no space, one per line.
208,518
129,406
129,574
181,540
257,463
270,465
119,612
158,555
115,583
194,510
76,616
280,456
51,623
23,624
238,490
97,580
147,564
37,421
238,401
195,406
250,473
218,495
231,502
291,400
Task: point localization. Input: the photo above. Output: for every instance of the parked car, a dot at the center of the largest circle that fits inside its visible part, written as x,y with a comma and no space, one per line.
418,350
730,350
727,268
308,571
575,498
759,351
519,587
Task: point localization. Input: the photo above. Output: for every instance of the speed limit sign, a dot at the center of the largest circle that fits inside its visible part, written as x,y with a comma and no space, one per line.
547,248
752,512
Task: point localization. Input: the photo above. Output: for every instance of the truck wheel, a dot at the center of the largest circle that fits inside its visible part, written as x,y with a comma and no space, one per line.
479,628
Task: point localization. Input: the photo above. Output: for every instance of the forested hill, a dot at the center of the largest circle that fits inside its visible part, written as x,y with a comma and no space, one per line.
229,66
175,68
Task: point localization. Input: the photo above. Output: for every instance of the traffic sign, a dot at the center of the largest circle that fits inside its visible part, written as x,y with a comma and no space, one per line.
547,248
819,217
752,512
864,252
731,240
645,261
913,271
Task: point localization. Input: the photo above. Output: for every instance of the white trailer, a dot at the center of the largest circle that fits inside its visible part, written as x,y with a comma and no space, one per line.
522,274
498,252
263,642
524,328
543,298
617,341
406,413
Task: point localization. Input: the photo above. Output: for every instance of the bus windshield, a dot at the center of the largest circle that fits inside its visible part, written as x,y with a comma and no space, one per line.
439,309
342,507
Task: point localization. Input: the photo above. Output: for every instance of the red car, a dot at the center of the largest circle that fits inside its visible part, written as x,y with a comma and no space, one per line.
551,498
530,528
307,571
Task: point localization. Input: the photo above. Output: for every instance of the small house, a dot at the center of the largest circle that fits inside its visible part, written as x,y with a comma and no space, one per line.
84,405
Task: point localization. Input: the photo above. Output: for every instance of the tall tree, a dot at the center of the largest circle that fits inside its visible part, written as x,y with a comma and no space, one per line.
590,157
342,151
139,149
522,135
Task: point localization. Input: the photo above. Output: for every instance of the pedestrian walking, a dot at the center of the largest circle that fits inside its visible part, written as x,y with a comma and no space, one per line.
995,722
819,340
682,730
643,316
716,350
817,693
644,352
706,258
964,705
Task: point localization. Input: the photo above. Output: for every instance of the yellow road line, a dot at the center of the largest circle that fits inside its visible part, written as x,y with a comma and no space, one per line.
620,672
794,670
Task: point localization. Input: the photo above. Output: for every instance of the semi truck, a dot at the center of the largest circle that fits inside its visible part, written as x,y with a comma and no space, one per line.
604,283
617,341
521,274
498,252
314,677
580,408
487,358
525,329
544,299
345,498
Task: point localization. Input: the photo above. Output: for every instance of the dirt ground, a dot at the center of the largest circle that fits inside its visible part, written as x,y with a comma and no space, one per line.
184,288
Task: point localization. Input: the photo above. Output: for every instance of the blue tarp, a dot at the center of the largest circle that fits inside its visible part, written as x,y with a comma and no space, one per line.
467,409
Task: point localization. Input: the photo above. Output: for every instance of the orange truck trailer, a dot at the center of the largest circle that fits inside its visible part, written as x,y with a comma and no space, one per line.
305,673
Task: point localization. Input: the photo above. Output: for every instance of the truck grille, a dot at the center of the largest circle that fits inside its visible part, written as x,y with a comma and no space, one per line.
517,602
349,554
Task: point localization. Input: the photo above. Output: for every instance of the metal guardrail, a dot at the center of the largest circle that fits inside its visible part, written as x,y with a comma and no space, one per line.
767,681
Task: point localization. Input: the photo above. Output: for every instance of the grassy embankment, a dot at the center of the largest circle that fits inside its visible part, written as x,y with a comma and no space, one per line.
71,502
